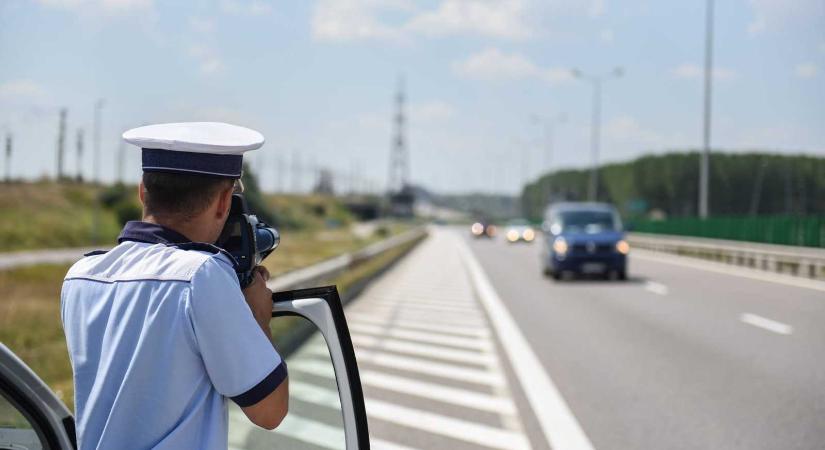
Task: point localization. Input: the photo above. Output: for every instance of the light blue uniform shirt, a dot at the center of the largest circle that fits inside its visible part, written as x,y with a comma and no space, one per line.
159,338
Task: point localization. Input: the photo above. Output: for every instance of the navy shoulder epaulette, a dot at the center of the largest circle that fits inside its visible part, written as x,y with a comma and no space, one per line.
96,252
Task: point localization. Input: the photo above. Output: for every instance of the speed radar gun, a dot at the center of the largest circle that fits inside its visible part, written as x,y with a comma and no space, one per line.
248,239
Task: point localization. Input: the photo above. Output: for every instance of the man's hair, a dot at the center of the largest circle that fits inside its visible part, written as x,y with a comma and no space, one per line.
181,196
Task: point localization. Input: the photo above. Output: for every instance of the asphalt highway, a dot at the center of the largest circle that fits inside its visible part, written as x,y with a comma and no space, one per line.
675,357
464,344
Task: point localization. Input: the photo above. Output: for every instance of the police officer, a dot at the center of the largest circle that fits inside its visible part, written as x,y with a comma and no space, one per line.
158,330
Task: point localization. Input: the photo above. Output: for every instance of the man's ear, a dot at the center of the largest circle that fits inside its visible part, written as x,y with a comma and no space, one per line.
224,203
141,193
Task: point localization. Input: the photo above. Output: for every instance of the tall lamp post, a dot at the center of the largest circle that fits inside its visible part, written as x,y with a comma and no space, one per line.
595,125
704,164
96,172
549,140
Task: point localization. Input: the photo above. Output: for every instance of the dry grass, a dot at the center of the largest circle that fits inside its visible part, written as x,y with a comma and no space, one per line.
30,301
30,323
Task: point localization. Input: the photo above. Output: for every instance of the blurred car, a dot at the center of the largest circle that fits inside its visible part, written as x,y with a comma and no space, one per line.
483,229
519,230
584,238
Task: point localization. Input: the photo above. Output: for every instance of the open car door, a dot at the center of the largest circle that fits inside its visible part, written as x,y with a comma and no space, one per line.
31,416
326,401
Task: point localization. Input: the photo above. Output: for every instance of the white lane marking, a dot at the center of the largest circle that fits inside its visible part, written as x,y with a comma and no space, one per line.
416,419
417,325
492,378
445,394
447,426
417,309
765,323
309,431
446,321
452,341
429,351
455,396
560,427
744,272
656,288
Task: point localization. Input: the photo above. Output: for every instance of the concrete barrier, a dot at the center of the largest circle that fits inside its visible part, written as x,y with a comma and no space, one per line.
799,261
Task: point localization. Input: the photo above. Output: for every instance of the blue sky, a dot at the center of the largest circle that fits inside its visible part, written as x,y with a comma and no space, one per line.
317,79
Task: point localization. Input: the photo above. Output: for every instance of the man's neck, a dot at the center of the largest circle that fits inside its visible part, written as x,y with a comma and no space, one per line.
190,229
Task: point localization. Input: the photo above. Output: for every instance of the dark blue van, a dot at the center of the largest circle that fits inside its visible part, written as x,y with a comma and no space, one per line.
584,238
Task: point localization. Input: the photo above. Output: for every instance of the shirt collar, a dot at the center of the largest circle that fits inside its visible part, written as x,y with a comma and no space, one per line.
151,233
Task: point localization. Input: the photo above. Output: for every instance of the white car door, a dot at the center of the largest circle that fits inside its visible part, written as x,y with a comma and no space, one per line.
33,418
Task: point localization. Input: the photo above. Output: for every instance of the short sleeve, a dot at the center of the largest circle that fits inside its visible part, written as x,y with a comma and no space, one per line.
239,359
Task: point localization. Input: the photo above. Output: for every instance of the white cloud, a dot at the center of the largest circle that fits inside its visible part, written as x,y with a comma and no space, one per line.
776,15
107,7
502,19
692,71
806,70
607,36
208,60
246,7
493,64
348,20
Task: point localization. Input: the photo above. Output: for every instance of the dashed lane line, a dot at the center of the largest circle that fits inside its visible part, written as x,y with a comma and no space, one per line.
766,324
656,288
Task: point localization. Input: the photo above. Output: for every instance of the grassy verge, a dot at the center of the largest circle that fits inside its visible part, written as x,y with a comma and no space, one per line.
30,300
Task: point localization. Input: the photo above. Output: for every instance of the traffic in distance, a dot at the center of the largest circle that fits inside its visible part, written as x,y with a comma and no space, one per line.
580,239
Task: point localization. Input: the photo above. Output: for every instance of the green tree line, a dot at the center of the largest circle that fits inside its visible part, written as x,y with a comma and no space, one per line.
741,184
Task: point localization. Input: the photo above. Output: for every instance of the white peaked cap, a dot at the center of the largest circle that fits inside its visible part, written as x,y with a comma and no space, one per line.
208,148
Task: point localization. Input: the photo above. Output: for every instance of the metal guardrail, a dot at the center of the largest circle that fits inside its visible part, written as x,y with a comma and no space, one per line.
331,268
798,261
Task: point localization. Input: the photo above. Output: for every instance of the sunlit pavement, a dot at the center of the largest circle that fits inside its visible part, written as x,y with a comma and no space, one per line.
676,357
429,364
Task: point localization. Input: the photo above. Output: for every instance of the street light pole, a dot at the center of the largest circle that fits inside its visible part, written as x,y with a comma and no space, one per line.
96,172
595,126
704,169
96,166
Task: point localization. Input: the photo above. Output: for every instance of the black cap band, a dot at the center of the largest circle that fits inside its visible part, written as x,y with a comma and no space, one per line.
158,160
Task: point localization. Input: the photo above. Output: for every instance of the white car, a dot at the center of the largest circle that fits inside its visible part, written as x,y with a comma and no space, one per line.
519,230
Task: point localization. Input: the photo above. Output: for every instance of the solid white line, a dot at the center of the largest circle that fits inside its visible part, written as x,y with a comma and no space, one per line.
492,378
560,427
726,269
416,419
765,323
429,351
420,336
656,288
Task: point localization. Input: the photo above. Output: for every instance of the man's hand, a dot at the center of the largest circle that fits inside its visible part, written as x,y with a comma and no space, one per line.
259,298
